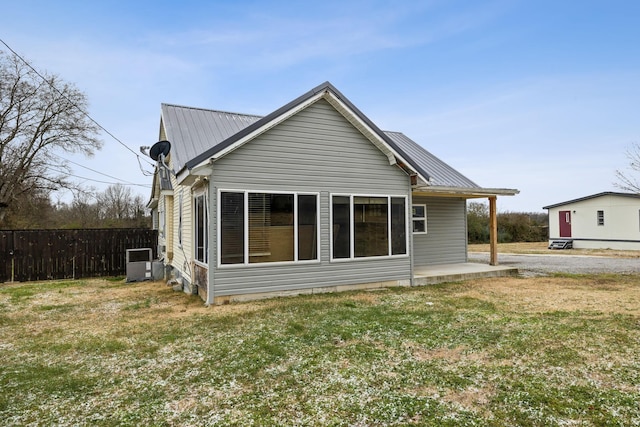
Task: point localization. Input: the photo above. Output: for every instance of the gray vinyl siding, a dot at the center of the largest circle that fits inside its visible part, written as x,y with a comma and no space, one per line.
446,238
319,151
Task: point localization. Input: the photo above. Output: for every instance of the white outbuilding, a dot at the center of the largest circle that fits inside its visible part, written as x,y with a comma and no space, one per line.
606,220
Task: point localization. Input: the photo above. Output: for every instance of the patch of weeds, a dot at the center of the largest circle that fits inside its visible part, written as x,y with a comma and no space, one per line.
100,345
48,379
6,320
534,400
114,279
559,354
59,308
469,303
60,347
141,304
24,292
19,294
296,328
561,275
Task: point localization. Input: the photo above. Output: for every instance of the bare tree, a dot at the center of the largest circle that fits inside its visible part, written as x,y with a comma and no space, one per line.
117,205
626,180
40,116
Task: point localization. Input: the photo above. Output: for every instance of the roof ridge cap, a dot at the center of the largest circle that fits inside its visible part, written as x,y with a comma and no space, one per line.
211,110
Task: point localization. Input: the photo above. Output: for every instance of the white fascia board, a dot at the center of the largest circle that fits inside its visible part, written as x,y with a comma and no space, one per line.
189,176
152,204
369,133
466,192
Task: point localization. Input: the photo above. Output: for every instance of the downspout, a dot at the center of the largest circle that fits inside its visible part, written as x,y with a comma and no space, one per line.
409,228
212,257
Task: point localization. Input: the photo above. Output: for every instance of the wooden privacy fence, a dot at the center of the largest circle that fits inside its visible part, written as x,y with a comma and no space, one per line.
27,255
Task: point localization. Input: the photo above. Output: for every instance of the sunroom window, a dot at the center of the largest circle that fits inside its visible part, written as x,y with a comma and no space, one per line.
261,227
368,226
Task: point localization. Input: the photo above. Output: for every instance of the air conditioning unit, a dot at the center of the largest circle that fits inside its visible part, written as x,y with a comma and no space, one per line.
139,264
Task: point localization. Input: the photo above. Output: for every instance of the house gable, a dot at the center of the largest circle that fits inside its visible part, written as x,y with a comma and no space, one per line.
315,148
331,95
316,151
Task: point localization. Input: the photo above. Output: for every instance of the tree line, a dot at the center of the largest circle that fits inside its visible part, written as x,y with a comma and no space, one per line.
115,207
512,226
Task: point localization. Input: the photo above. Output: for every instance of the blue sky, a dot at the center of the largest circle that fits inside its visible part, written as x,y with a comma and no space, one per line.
541,96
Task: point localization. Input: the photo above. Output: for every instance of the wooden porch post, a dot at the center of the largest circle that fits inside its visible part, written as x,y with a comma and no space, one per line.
493,231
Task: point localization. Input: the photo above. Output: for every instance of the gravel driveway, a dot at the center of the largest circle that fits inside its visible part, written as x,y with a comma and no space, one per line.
535,265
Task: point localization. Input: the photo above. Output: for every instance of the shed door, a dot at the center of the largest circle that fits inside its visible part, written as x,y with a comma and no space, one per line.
565,223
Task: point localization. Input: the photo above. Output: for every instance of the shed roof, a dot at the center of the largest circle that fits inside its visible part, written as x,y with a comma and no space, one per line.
594,196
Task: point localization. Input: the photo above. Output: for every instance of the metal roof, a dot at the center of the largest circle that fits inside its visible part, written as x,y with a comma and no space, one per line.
193,131
197,134
594,196
441,173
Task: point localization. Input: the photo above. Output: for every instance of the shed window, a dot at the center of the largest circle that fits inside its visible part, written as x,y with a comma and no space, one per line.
268,227
600,217
368,226
419,218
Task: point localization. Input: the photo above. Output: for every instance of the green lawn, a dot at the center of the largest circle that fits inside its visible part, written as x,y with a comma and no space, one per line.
513,351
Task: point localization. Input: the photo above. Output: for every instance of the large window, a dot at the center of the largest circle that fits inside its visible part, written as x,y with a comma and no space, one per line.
268,227
201,228
368,226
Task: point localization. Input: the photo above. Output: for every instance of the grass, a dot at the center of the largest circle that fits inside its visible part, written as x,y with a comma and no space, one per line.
544,351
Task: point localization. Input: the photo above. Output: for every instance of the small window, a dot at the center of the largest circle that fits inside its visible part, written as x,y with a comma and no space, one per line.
419,218
180,219
161,219
600,217
201,228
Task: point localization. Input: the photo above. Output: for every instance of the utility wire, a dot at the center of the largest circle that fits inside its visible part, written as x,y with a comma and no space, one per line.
96,180
146,173
101,173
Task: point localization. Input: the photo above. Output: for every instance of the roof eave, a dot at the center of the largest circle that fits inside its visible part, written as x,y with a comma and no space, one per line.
593,196
465,192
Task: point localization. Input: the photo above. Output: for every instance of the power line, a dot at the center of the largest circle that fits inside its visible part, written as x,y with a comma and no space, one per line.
96,180
146,173
101,173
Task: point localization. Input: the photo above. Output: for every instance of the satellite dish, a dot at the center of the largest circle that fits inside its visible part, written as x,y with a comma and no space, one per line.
160,148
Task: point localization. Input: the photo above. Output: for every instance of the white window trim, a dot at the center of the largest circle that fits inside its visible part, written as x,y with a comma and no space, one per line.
200,193
162,221
352,256
180,219
422,218
246,262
